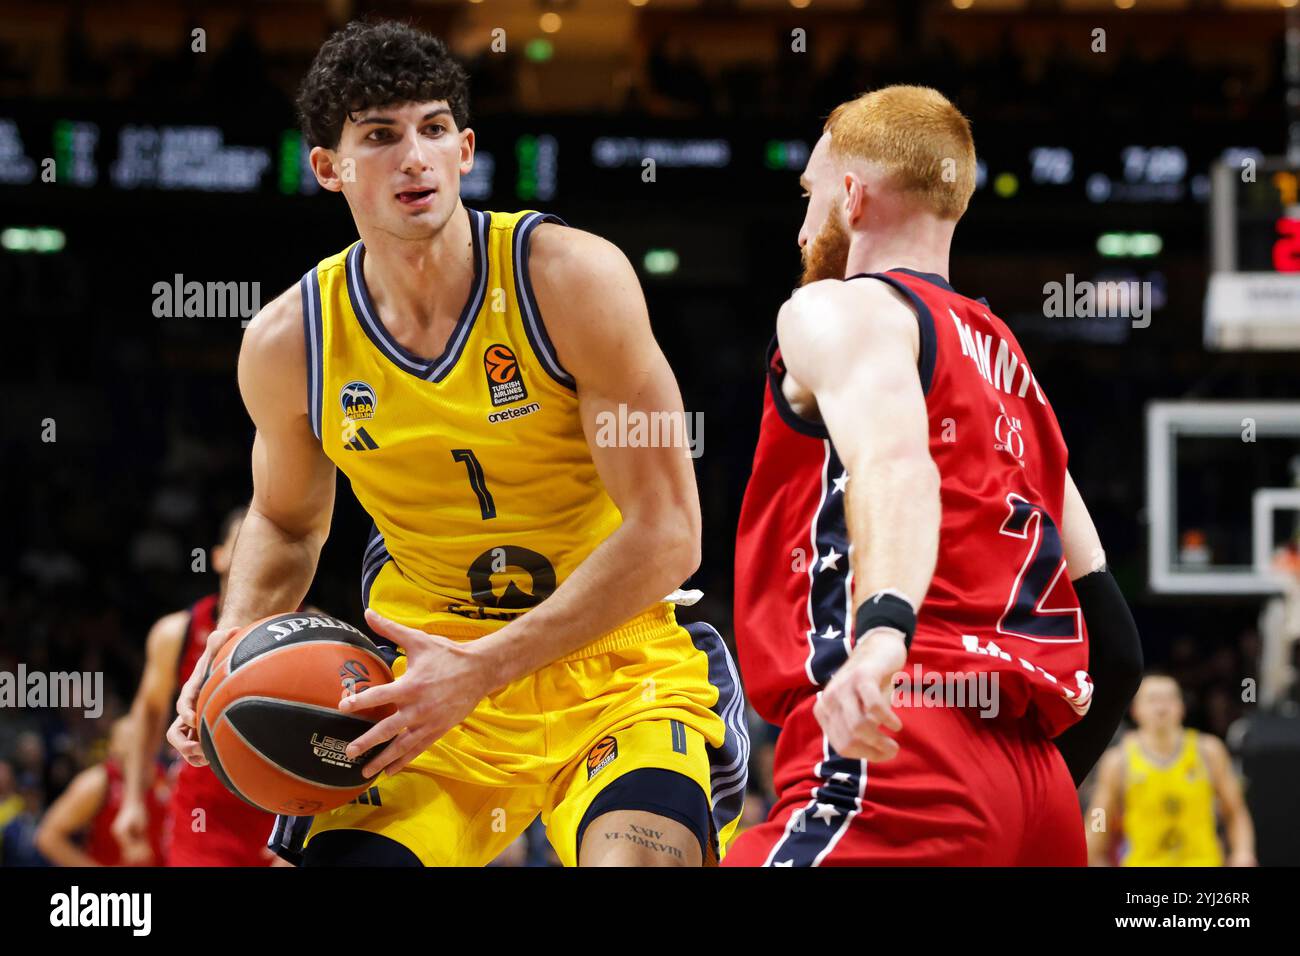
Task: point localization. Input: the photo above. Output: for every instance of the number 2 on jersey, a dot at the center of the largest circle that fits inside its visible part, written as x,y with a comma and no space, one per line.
1025,616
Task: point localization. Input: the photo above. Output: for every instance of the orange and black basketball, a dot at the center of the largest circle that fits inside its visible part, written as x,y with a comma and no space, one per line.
269,721
500,363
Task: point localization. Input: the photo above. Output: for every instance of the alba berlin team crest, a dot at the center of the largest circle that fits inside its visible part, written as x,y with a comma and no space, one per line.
505,383
358,401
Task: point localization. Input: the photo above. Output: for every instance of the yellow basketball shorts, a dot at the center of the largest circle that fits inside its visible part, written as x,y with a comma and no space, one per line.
653,694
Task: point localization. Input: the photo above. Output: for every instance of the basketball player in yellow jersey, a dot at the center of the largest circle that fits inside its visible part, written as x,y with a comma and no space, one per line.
1161,784
461,368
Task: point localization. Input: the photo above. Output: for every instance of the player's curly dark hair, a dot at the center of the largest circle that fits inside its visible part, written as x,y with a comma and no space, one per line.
377,63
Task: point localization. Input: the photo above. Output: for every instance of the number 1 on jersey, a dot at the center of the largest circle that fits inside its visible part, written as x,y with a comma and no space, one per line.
486,505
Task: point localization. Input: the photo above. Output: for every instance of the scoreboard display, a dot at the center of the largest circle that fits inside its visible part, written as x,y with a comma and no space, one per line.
1253,301
1267,219
522,159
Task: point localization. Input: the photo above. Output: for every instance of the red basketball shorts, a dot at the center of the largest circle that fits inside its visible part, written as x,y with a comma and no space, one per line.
962,791
229,832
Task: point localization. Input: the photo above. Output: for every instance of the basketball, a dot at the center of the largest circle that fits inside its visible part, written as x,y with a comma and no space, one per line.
268,712
501,364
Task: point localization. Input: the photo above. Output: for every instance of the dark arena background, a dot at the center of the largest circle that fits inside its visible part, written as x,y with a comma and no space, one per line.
1148,147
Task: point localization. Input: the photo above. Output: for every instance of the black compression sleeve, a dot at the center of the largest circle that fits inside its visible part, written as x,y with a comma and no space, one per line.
1115,665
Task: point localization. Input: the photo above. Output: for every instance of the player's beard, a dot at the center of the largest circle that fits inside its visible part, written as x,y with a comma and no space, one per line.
827,256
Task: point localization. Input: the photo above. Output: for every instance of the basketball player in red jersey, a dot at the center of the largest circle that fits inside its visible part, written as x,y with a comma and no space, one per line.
910,505
91,803
228,832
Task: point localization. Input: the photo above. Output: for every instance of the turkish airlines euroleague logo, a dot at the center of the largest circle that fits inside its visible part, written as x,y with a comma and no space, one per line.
605,751
505,383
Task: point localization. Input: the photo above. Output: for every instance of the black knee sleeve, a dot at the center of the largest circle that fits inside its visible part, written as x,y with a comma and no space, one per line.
663,792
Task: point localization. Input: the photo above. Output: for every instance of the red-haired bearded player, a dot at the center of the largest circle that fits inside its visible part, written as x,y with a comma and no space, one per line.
910,506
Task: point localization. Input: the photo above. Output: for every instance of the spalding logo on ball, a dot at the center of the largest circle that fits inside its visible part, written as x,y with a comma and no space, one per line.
269,721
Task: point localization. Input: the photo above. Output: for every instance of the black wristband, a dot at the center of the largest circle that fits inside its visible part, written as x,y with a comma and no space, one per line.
885,609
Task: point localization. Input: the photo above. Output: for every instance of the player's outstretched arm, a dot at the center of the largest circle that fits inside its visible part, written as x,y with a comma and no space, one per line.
288,518
1237,824
150,715
592,305
855,346
591,300
1105,809
1114,648
69,815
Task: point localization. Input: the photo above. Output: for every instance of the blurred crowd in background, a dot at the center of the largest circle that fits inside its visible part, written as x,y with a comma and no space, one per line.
1211,63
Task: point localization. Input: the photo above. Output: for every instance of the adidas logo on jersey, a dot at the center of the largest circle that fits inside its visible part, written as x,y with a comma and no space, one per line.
356,438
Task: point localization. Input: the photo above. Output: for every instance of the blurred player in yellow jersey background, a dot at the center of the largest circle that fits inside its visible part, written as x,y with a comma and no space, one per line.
1159,790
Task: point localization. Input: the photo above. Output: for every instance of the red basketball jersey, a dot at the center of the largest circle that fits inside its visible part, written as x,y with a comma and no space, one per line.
101,845
230,832
203,620
1000,600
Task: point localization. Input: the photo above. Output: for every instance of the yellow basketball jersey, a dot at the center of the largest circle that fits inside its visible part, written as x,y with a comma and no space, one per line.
1169,808
473,465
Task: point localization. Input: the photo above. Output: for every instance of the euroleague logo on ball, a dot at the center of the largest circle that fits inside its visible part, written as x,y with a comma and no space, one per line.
505,383
351,674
